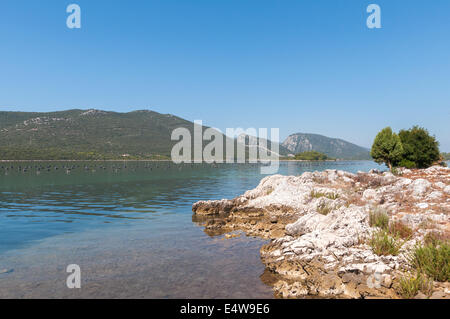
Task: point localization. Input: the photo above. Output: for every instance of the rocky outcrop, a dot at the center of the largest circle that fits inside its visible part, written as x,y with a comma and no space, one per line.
319,228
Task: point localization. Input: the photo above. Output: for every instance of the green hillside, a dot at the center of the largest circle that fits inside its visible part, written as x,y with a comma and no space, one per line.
91,134
86,134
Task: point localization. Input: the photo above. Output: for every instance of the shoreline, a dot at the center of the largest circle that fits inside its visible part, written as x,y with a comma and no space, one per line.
320,232
168,160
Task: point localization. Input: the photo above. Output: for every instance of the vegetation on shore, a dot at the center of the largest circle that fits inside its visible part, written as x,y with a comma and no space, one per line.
59,154
312,156
410,285
432,259
428,261
413,148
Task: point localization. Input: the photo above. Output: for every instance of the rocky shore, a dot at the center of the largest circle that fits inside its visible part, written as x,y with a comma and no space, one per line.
319,225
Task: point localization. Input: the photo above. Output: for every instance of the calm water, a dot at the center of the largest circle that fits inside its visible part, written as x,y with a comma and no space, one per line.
129,227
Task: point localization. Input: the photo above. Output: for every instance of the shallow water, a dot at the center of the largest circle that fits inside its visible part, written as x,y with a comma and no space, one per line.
128,225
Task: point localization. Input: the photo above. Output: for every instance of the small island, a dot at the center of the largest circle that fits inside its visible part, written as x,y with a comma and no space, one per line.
312,156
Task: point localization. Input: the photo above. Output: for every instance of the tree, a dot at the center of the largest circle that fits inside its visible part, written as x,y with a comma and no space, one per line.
419,147
387,148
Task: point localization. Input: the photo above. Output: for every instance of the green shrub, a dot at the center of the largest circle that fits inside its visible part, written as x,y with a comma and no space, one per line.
332,196
411,285
378,217
324,209
383,244
419,147
432,259
315,194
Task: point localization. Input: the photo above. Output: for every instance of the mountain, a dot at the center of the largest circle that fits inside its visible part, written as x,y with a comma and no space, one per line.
93,134
333,147
104,134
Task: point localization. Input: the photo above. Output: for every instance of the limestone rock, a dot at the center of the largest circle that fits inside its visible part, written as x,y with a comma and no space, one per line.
318,226
420,186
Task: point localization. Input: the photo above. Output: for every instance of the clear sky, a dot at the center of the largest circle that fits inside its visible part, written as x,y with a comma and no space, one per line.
303,66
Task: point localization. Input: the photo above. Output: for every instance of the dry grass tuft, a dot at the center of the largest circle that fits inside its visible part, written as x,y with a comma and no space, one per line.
378,217
401,230
383,244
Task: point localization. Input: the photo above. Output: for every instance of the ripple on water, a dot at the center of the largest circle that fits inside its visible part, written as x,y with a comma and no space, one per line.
130,230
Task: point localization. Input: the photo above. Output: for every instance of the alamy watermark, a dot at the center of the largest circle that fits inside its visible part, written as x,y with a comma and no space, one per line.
235,146
374,19
74,279
74,19
375,280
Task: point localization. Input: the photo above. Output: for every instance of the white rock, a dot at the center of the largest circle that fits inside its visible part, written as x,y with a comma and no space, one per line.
369,194
403,182
420,186
447,189
440,185
388,178
434,195
422,205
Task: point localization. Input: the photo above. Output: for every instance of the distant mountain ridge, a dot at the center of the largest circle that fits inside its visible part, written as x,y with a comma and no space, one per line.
143,134
333,147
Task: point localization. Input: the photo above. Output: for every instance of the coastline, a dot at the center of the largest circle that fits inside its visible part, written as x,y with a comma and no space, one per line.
319,228
168,160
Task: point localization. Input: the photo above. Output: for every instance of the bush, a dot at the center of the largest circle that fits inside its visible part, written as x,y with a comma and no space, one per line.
379,218
432,259
382,244
315,194
419,148
411,285
324,209
332,196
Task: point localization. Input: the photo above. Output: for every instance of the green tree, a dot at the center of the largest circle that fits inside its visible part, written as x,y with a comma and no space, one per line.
387,148
419,147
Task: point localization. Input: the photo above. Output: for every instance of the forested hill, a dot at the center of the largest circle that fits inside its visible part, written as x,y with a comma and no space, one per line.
90,134
87,134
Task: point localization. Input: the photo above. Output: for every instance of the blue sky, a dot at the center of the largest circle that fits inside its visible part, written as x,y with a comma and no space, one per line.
302,66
